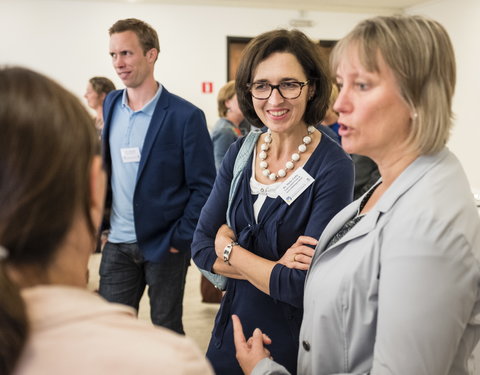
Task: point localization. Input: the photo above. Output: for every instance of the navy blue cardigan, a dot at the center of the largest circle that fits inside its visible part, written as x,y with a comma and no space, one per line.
279,225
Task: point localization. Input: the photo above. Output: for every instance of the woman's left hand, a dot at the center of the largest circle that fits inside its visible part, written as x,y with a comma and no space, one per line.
299,256
224,236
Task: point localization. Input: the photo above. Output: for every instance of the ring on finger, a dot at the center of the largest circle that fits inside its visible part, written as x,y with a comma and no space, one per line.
294,258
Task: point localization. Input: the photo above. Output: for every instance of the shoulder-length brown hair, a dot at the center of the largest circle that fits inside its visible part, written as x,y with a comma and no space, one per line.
308,55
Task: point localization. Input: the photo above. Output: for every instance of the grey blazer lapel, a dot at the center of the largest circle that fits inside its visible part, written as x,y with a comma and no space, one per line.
364,226
408,178
334,226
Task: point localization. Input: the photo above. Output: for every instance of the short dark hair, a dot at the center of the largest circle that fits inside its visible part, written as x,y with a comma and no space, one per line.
146,34
308,55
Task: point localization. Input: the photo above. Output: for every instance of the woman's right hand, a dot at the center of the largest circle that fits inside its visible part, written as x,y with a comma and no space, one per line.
249,352
299,256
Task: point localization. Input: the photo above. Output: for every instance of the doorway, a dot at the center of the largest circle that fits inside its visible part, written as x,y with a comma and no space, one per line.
236,45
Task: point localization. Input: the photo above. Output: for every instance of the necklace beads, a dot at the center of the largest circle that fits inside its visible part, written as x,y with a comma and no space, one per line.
290,164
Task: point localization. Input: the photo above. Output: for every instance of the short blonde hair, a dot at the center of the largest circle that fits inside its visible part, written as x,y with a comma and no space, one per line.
419,52
227,92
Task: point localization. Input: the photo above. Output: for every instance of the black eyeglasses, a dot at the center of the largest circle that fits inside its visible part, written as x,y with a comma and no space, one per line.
287,89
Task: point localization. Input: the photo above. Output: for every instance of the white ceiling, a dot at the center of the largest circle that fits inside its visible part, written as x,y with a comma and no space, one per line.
357,6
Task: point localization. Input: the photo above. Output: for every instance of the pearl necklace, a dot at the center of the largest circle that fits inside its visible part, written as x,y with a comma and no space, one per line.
263,155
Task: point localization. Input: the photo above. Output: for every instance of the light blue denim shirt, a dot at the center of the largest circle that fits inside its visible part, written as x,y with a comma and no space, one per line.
127,133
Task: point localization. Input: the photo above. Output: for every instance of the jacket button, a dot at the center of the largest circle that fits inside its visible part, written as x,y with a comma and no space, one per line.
306,345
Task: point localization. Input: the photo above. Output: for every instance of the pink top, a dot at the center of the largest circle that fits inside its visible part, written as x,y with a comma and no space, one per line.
74,331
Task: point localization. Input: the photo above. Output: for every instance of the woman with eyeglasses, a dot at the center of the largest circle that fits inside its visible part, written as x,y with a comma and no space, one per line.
294,181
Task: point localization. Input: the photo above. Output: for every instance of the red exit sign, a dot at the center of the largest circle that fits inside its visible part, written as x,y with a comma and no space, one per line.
207,87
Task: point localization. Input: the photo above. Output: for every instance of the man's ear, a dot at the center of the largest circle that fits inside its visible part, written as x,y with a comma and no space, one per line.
152,55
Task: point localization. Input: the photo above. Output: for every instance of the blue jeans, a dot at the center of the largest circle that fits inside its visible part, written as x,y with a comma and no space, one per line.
124,274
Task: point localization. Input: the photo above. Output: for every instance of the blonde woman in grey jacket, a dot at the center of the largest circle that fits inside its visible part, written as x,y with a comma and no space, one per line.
393,286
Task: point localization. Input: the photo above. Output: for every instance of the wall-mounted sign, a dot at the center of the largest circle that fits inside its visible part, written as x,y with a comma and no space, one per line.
207,87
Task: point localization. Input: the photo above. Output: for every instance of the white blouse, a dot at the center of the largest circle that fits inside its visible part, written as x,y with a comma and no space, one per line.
262,190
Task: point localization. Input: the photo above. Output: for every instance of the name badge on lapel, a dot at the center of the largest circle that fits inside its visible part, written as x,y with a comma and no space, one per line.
295,185
130,154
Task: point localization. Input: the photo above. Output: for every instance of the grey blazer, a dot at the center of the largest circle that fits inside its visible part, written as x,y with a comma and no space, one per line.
400,293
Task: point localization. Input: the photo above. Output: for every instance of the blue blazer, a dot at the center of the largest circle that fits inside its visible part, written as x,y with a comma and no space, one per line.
175,175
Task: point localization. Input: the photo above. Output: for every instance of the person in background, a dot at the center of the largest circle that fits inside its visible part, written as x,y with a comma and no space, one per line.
366,171
51,201
331,117
394,284
294,181
245,127
366,174
227,129
97,90
159,160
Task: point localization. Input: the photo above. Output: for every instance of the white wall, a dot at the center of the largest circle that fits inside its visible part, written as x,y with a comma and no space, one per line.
68,40
461,18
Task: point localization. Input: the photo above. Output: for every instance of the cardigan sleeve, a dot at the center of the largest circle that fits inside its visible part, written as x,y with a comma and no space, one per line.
333,191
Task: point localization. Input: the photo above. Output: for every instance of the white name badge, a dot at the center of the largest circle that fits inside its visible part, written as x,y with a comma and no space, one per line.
130,154
295,185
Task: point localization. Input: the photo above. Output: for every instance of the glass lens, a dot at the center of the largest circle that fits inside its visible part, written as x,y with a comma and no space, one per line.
261,90
290,90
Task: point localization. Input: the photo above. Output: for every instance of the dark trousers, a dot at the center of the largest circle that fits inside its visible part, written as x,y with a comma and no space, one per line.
124,274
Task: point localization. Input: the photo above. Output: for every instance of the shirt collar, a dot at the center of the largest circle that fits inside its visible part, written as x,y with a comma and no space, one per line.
147,108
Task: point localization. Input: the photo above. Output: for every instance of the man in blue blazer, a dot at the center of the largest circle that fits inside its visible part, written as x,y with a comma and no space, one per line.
159,160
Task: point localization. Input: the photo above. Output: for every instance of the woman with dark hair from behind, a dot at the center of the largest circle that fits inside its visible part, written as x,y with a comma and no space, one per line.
52,188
